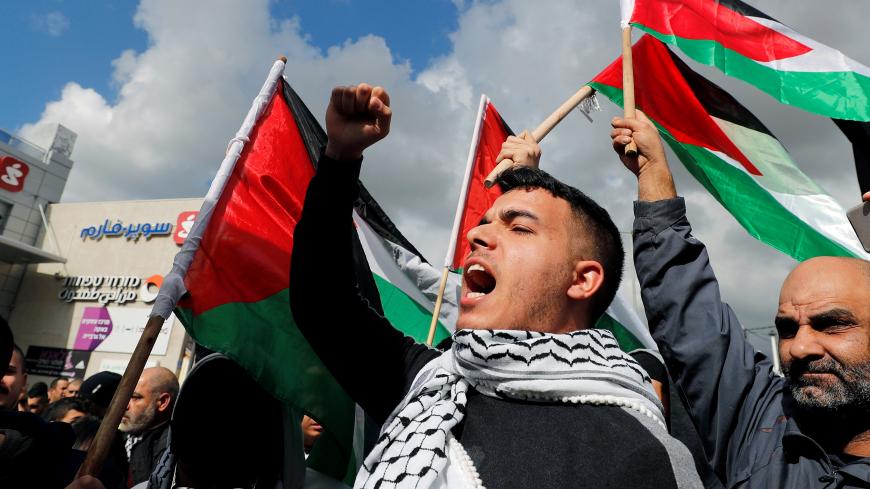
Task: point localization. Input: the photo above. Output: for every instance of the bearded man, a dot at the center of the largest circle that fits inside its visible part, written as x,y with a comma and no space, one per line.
528,395
810,428
146,420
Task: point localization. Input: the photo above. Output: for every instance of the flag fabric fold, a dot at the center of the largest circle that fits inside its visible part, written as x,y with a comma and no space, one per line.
229,283
733,155
750,45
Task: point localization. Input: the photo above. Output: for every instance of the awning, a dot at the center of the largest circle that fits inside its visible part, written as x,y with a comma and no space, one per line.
12,251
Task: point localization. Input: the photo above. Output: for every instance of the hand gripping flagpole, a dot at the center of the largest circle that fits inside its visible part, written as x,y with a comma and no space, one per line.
543,129
628,85
173,284
538,134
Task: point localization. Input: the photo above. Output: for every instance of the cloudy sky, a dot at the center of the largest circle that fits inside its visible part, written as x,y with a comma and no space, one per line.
155,90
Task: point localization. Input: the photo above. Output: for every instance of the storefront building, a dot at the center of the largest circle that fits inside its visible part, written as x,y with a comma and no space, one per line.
79,279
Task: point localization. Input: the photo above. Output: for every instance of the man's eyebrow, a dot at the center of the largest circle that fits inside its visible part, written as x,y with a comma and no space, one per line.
784,320
837,315
509,215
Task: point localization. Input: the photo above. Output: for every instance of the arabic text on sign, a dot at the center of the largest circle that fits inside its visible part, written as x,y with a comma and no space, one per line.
130,231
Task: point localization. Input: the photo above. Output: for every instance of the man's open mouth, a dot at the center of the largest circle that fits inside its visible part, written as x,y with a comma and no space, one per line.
479,281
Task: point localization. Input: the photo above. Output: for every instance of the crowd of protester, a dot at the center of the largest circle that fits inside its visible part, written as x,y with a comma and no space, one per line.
46,429
706,410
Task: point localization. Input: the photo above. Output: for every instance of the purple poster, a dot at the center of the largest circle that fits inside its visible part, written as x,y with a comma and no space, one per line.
95,327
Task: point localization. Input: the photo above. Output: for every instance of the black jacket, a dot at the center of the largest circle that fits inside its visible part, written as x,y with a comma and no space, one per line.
737,403
147,452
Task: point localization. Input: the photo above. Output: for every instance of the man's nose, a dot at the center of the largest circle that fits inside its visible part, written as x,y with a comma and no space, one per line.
480,237
805,344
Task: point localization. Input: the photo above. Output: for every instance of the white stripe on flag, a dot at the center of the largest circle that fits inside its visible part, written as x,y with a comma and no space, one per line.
410,274
822,58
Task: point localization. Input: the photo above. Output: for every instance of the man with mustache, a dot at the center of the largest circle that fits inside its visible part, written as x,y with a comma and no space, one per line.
808,429
528,395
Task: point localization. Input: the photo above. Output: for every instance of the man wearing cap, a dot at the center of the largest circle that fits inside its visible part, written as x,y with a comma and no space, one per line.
99,389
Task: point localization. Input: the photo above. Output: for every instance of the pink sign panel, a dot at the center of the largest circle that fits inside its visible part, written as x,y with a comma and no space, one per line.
96,325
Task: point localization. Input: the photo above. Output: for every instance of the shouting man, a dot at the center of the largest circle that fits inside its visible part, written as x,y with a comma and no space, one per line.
810,428
529,395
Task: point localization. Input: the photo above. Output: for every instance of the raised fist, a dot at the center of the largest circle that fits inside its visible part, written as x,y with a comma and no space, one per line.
357,117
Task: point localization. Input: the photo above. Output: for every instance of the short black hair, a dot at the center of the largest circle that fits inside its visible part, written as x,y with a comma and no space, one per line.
39,389
56,380
600,230
58,409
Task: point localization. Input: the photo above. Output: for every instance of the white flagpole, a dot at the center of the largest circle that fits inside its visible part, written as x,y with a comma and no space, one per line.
457,218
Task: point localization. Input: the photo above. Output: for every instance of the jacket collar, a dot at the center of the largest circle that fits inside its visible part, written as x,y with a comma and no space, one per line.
795,443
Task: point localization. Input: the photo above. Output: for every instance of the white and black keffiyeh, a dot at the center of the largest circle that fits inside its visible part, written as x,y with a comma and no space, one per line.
416,447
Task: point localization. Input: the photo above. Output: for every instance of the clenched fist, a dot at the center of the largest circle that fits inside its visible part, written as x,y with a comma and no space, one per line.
357,117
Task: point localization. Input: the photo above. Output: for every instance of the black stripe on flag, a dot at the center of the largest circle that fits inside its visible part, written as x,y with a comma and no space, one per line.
743,9
717,102
859,135
366,205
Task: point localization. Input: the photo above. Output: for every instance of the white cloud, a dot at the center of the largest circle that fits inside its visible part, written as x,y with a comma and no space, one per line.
53,23
181,99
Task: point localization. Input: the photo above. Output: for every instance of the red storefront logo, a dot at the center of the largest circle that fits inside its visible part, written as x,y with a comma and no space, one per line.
183,226
12,174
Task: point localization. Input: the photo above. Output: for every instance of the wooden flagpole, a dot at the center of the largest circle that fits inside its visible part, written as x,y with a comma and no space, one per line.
628,85
102,442
543,129
437,312
99,449
538,134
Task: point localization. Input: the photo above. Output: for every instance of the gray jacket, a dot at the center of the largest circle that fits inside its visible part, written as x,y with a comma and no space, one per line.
736,401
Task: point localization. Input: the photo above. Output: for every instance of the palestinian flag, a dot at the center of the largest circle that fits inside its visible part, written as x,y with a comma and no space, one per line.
747,44
490,131
230,280
733,155
858,134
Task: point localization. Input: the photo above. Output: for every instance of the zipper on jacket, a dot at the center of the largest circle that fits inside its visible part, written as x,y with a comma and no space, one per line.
833,477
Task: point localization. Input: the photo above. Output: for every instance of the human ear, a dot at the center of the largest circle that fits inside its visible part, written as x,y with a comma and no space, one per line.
163,402
587,279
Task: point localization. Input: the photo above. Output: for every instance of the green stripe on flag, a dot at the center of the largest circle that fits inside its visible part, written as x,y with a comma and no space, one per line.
753,207
405,314
840,94
627,341
275,352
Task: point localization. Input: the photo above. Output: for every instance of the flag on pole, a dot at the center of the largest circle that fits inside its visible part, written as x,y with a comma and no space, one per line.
750,45
229,283
490,131
734,156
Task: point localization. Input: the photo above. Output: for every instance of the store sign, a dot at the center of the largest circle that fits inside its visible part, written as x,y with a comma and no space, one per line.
130,231
104,289
56,362
12,174
117,330
183,225
119,365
